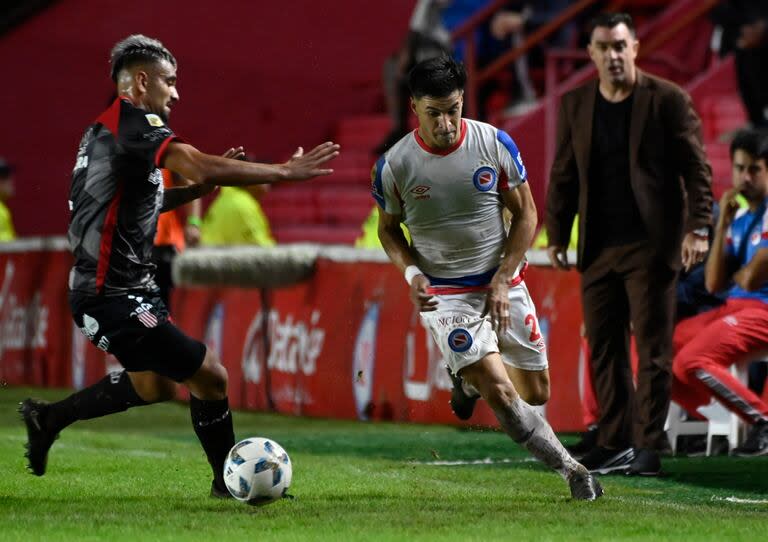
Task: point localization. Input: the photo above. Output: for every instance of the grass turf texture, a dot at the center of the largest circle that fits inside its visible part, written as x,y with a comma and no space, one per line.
142,475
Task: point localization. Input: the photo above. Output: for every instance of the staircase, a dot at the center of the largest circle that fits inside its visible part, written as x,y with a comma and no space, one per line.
331,209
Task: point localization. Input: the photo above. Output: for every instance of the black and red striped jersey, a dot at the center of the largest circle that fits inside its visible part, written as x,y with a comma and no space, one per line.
115,199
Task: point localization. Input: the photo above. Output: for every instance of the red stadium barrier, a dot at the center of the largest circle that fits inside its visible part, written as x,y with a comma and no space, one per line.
345,344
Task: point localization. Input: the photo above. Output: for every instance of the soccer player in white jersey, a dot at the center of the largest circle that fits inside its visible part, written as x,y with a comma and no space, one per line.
449,182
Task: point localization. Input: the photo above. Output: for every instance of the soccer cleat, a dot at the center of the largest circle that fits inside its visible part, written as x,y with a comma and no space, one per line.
219,493
584,486
39,439
646,463
603,460
462,404
756,443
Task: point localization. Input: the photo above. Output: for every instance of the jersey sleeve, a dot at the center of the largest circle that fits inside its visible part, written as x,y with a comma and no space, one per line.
384,188
511,168
144,135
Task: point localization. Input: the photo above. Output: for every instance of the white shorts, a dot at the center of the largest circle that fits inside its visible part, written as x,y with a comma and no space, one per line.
464,336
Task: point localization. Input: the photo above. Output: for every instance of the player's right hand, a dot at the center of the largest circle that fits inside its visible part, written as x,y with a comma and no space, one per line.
423,301
558,257
729,205
305,166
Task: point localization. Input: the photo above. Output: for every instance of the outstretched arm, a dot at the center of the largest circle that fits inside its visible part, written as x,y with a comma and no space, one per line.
178,196
203,168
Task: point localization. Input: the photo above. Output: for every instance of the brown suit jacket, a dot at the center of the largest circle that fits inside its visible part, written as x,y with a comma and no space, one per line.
667,166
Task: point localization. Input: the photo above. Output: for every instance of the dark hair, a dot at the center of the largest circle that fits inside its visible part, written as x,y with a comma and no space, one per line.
609,19
747,141
762,146
136,49
437,77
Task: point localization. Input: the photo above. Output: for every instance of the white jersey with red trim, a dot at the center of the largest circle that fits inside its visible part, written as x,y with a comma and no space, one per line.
451,200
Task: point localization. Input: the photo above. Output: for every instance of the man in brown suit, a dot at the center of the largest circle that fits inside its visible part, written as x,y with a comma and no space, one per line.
629,159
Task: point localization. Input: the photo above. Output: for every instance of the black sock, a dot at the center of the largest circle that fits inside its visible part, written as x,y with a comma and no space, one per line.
212,421
113,393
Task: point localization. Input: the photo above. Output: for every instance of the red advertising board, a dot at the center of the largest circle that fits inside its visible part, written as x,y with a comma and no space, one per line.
347,343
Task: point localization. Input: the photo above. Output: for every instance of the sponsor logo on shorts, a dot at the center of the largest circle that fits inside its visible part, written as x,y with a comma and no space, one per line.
90,327
484,178
460,340
143,312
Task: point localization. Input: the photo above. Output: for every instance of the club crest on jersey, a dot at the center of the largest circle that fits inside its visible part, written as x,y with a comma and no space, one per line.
484,178
154,120
755,239
460,340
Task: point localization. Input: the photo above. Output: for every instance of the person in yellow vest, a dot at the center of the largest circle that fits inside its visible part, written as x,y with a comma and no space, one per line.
541,240
370,236
236,218
7,233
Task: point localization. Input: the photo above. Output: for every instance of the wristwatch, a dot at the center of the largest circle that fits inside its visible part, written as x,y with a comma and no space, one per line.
702,233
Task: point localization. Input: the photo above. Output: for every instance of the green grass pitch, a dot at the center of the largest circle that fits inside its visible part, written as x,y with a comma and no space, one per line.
141,475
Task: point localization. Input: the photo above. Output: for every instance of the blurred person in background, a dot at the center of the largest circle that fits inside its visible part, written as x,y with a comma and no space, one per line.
624,141
7,189
427,38
742,29
511,26
235,217
708,344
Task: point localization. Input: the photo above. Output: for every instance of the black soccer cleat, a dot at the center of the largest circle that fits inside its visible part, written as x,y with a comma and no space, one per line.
218,493
756,443
39,438
462,404
584,486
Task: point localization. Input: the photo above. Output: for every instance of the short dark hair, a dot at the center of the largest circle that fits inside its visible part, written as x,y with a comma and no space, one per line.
762,146
745,140
136,49
437,77
609,19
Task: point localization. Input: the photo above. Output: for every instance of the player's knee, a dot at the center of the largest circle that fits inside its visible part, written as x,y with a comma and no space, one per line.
216,377
500,394
537,396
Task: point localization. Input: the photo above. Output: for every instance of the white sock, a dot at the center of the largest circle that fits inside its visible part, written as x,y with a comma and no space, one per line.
526,427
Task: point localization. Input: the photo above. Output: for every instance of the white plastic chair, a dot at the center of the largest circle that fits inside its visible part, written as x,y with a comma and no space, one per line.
676,426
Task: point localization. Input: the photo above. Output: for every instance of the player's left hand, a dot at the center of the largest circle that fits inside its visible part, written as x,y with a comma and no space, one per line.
497,305
694,250
420,297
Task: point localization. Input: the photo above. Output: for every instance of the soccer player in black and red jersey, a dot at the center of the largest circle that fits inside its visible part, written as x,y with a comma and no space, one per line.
115,198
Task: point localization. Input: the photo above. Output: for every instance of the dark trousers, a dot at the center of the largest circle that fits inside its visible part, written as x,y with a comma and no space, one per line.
621,285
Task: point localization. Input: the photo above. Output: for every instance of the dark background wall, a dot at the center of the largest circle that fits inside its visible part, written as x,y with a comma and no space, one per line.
269,75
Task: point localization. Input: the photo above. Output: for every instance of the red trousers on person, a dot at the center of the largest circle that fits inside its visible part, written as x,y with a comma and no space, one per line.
706,346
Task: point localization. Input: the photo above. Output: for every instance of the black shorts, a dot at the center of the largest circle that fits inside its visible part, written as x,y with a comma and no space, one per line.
135,328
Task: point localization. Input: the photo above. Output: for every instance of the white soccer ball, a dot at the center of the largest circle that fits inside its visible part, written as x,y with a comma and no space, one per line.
257,471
